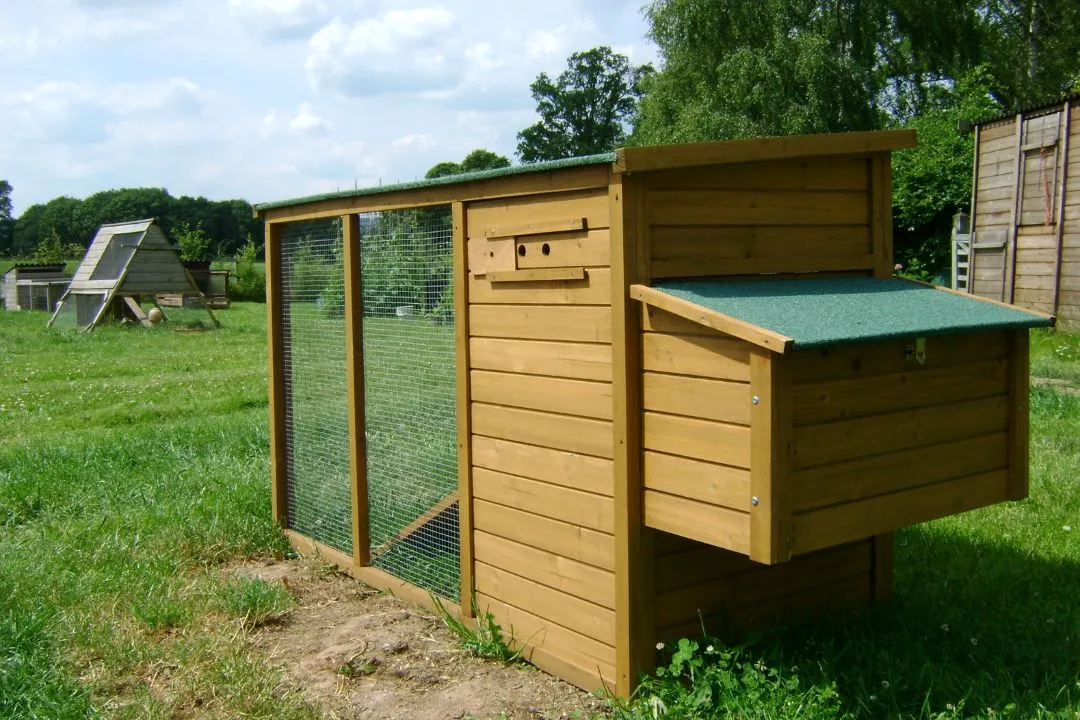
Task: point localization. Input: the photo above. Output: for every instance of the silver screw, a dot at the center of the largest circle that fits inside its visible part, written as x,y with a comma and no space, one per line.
755,399
754,501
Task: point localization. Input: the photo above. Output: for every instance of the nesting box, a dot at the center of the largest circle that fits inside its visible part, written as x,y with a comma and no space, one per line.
684,386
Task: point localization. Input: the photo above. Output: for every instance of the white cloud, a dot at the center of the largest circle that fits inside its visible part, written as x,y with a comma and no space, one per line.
398,52
283,19
415,141
306,121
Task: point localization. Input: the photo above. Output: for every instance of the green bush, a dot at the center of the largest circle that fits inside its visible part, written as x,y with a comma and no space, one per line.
248,282
193,242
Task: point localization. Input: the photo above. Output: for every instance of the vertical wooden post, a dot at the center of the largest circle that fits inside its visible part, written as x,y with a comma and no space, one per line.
275,308
974,202
635,618
1008,273
1019,414
771,430
882,570
881,213
464,412
1059,232
354,387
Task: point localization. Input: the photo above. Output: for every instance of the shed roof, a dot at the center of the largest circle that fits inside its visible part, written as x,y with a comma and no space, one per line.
802,314
1029,109
656,157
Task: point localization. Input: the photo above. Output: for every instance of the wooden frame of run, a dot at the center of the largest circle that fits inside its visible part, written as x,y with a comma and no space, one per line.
590,407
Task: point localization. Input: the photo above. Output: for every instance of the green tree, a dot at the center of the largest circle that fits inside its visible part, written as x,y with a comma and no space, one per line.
443,169
586,109
932,181
193,243
478,159
52,251
7,222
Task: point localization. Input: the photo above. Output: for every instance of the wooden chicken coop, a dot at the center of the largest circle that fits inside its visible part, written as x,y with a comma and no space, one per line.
1025,210
613,396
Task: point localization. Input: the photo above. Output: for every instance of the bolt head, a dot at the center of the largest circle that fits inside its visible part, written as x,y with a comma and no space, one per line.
754,501
755,399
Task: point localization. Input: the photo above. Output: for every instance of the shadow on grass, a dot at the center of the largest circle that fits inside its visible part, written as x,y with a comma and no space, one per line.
974,629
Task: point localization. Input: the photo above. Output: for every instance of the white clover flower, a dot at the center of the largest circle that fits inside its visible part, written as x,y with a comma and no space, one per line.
885,684
659,646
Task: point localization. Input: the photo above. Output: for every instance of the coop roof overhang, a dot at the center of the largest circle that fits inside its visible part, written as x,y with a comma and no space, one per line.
593,170
802,314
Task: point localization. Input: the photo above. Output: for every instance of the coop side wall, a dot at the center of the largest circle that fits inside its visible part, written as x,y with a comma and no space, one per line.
995,177
881,442
814,215
701,587
540,374
156,268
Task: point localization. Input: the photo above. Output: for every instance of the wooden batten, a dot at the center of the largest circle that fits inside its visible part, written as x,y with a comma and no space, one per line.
634,636
354,388
1063,195
770,457
881,214
276,379
464,400
1008,281
970,289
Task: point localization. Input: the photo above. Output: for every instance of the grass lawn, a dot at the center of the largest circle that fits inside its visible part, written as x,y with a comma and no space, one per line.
134,467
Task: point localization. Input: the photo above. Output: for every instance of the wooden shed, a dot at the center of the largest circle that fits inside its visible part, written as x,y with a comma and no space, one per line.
1025,210
682,385
34,286
125,262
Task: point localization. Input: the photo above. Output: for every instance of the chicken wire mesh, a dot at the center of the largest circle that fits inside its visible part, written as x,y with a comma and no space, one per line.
318,495
409,396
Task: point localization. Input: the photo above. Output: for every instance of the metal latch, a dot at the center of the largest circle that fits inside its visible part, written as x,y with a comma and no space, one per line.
916,352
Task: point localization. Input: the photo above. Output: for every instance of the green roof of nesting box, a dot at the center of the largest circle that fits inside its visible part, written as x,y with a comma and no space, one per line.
801,314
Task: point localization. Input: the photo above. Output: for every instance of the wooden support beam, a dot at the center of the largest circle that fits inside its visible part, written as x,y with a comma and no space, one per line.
464,402
1019,415
712,319
771,430
1008,273
634,592
412,528
276,372
974,200
1059,231
354,388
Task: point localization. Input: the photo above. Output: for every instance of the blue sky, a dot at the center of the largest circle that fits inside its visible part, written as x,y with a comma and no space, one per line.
267,99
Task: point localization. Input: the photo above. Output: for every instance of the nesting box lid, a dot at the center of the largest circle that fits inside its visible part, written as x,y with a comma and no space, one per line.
802,314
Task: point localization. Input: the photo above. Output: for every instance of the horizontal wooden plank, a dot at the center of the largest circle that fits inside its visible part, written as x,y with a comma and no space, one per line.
891,356
1002,129
1000,140
711,524
539,275
679,242
876,394
986,194
835,596
557,502
874,475
536,228
584,398
849,439
697,397
541,322
842,523
1034,282
581,472
761,583
570,541
757,207
580,249
810,174
996,175
707,266
542,601
584,655
1045,251
582,361
698,480
700,439
715,356
592,205
698,563
1035,269
555,571
559,432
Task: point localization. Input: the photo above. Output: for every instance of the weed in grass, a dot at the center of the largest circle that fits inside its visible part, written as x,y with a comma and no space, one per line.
255,601
486,640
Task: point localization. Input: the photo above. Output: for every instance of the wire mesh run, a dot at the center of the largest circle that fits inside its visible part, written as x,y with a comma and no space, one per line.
409,396
318,496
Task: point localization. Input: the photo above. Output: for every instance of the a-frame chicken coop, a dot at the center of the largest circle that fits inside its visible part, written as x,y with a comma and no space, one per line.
125,262
616,395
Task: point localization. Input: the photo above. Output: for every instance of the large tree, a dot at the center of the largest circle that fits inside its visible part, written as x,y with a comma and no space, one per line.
7,223
586,109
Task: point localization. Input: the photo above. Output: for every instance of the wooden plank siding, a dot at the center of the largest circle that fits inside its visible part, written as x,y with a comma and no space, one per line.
881,442
778,217
541,411
696,435
697,584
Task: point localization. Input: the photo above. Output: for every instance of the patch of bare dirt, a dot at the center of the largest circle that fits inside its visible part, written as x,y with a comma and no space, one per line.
362,653
1063,385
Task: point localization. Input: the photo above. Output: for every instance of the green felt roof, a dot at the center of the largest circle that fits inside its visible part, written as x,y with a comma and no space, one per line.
817,313
603,158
